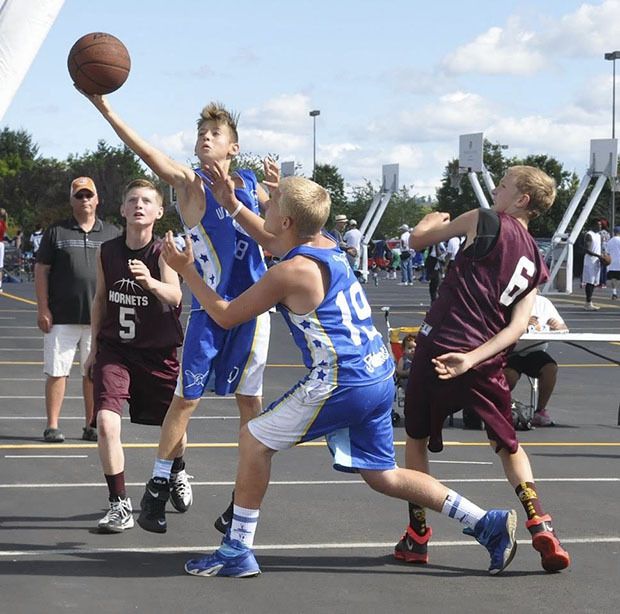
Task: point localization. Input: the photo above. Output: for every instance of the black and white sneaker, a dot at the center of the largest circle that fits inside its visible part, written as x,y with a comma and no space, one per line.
181,491
153,506
222,523
119,517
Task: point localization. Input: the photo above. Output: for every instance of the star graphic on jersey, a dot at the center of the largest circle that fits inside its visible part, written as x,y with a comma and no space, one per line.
317,343
306,325
127,284
321,375
204,257
323,363
212,278
195,237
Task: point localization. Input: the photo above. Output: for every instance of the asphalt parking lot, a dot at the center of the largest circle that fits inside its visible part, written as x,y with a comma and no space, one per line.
324,540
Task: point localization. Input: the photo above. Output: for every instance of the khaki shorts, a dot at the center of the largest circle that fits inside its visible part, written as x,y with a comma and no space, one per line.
60,345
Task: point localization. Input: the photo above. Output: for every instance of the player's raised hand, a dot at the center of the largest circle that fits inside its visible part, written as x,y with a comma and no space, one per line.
222,186
141,273
174,258
272,173
452,364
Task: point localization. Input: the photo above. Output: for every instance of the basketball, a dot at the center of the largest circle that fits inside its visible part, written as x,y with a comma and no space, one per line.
98,63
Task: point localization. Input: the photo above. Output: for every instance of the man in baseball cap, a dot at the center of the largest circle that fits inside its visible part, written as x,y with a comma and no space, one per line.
340,222
83,183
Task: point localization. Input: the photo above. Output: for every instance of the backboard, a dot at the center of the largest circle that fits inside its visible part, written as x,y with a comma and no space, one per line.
390,178
470,152
604,157
287,169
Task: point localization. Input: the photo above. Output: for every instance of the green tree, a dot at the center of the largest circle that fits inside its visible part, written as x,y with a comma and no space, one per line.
329,177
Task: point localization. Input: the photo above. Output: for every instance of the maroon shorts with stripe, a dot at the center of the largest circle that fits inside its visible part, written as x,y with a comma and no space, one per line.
146,379
429,400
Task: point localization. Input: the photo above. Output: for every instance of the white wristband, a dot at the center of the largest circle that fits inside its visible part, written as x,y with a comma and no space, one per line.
234,214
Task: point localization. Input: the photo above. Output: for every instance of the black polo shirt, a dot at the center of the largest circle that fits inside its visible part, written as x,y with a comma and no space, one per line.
72,255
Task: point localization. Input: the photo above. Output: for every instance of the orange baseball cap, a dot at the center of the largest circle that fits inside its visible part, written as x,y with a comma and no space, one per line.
83,183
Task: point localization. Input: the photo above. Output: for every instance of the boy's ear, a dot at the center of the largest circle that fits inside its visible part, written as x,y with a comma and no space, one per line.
234,149
160,213
122,209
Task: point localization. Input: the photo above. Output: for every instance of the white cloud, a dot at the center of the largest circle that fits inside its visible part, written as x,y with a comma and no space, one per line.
510,50
285,112
592,29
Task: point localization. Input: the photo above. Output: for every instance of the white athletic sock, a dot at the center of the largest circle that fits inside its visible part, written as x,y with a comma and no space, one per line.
462,509
243,526
162,468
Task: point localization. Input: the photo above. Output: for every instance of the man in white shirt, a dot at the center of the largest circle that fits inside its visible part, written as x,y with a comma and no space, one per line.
353,239
613,270
592,264
532,359
406,257
452,249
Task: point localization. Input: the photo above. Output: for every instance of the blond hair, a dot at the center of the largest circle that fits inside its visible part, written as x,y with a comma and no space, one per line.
143,183
537,185
218,113
306,202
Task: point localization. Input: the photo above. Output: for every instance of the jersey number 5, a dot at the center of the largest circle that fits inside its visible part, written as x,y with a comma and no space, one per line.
126,323
519,282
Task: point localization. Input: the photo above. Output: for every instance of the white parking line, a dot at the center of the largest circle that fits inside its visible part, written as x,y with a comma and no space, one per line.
20,456
610,539
303,482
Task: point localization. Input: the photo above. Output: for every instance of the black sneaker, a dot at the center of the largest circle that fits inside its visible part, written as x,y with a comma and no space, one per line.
222,524
153,506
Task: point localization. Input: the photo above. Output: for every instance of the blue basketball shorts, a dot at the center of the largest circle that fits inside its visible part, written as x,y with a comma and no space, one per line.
356,422
230,361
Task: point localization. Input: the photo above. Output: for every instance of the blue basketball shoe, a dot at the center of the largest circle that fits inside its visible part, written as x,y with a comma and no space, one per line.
496,532
232,560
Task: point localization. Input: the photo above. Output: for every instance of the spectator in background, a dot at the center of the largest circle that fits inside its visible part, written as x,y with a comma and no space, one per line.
353,240
3,218
434,267
406,260
452,249
591,264
613,270
533,360
339,230
403,366
65,279
605,236
35,238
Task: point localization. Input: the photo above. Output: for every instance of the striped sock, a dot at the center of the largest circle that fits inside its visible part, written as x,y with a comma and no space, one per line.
162,468
243,526
462,509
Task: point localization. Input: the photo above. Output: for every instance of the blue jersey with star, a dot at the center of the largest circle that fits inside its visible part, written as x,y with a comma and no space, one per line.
338,340
228,260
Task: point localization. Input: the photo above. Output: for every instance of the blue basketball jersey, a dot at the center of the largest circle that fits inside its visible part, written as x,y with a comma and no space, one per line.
338,340
226,257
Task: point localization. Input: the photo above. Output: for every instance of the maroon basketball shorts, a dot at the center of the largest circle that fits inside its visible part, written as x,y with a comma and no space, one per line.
429,400
146,379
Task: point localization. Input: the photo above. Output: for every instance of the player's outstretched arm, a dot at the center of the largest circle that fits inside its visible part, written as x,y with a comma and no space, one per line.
437,226
454,364
258,299
167,169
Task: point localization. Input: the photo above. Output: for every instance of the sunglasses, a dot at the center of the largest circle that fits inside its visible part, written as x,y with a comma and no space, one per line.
83,195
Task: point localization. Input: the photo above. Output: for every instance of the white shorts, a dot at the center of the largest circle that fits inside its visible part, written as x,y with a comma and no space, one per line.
59,346
591,270
1,255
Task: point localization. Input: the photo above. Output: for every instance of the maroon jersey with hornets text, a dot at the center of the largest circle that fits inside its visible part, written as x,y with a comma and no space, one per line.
133,315
477,297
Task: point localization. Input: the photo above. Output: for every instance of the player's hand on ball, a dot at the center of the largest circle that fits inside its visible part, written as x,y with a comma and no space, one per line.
452,364
174,258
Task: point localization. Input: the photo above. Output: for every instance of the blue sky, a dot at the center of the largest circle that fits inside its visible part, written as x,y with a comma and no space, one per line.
396,81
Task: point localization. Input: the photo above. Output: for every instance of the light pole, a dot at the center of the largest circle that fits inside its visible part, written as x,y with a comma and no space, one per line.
613,56
313,115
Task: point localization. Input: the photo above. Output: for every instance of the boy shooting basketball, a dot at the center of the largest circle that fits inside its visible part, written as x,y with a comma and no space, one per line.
229,261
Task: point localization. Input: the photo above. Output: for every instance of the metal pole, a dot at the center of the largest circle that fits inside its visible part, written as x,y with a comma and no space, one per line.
313,146
612,221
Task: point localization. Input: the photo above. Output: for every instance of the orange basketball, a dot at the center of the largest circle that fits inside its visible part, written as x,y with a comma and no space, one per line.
98,63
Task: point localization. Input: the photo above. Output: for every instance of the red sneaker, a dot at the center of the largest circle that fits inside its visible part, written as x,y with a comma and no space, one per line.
413,548
553,556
